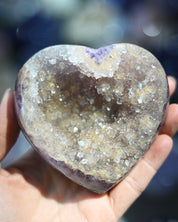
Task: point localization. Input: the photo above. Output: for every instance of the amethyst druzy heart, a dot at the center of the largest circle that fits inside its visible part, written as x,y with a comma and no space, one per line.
92,113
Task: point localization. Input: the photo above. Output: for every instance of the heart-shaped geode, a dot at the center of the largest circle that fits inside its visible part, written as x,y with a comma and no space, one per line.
92,113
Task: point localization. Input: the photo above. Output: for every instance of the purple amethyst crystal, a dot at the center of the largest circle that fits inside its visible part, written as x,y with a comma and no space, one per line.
92,113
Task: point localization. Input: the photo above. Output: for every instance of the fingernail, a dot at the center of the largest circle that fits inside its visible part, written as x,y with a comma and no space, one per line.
6,94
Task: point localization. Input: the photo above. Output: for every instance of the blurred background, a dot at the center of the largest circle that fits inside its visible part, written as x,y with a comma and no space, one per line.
28,26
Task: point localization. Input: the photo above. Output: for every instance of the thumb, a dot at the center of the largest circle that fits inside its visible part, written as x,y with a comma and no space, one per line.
9,129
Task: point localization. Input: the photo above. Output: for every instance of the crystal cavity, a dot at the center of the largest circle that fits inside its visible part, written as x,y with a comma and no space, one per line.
92,113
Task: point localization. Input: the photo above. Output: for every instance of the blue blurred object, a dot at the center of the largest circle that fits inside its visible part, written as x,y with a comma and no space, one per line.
13,12
35,34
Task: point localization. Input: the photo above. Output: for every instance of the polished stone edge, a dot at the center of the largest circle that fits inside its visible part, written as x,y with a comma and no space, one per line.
165,108
87,181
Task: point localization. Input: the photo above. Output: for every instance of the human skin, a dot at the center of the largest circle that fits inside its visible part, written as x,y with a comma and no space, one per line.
33,191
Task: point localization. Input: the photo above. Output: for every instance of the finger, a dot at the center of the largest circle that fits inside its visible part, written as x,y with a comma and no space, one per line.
172,84
170,125
9,129
127,191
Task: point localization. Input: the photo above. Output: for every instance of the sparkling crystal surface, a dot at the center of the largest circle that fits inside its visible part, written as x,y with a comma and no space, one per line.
92,113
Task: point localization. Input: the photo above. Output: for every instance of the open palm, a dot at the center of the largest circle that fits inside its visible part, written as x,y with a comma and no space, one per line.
33,191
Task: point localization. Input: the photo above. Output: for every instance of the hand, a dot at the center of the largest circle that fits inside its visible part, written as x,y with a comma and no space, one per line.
32,191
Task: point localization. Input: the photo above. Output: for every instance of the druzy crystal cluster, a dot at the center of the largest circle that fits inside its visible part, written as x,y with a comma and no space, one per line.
92,113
